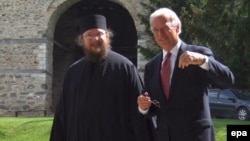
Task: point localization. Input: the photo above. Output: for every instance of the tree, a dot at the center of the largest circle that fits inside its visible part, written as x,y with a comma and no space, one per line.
226,27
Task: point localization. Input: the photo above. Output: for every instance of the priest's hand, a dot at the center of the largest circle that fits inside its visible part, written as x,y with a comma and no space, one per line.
144,101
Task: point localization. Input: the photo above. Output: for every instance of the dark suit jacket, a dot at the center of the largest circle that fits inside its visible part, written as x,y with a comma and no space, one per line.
186,115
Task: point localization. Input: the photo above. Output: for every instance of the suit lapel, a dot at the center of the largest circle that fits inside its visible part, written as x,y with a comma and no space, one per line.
157,68
177,71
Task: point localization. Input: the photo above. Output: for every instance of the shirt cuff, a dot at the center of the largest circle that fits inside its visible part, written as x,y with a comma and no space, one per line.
144,112
205,65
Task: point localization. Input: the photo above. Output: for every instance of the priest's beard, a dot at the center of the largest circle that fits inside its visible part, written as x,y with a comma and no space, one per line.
97,56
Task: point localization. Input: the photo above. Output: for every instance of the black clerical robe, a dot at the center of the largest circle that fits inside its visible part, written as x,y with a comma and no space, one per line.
98,102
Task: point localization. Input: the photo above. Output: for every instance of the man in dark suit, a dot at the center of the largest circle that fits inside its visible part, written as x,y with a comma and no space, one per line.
182,112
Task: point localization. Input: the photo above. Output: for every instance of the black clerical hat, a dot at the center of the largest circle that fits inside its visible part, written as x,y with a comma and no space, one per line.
92,21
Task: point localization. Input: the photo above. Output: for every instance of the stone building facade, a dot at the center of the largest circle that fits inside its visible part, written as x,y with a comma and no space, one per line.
34,52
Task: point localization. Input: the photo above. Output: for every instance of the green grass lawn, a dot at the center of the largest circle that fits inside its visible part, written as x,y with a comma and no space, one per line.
38,128
25,129
221,127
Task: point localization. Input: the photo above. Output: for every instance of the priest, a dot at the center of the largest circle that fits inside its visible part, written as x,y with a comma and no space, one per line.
98,101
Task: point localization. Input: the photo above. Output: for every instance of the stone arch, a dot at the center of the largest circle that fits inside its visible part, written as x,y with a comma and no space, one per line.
65,50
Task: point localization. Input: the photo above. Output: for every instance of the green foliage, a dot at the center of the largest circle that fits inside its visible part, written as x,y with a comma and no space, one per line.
149,53
226,24
220,25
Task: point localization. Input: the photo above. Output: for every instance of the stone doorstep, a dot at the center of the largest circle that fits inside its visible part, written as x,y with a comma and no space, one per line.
31,110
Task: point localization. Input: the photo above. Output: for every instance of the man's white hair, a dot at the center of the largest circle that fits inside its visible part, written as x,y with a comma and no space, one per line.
169,14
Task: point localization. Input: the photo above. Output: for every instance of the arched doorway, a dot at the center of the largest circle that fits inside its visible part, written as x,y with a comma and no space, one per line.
66,51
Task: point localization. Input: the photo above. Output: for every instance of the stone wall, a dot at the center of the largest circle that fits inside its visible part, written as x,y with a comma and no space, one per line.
26,48
24,69
23,77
